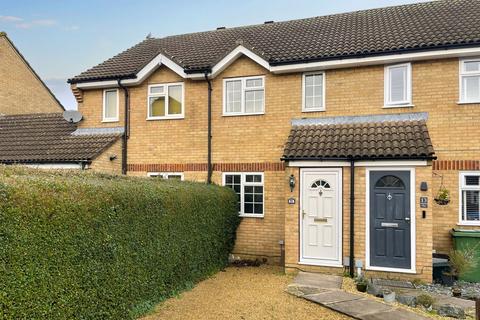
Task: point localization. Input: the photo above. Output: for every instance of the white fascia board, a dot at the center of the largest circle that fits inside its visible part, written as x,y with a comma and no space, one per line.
298,67
383,59
55,166
359,163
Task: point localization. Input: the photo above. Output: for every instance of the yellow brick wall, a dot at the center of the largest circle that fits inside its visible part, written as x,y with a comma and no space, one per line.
260,138
20,90
102,162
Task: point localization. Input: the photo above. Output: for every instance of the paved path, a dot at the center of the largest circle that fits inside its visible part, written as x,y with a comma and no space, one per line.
326,290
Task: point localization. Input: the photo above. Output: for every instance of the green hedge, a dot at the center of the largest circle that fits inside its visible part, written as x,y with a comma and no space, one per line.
86,246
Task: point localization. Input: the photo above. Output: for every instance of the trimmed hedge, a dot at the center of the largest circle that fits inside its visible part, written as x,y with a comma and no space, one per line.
89,246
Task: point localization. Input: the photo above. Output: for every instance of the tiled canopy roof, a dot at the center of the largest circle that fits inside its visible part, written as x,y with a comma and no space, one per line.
369,137
36,138
422,26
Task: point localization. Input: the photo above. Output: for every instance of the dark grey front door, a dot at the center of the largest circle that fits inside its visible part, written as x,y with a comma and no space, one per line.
390,219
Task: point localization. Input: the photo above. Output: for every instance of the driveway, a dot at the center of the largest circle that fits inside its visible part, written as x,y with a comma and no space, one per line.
242,293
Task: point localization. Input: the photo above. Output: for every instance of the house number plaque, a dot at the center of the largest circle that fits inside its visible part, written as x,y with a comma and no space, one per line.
423,202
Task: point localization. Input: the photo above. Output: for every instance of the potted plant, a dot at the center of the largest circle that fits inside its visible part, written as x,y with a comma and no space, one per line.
361,283
443,196
460,262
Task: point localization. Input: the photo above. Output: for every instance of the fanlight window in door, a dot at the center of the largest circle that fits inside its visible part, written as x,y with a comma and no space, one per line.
390,182
320,183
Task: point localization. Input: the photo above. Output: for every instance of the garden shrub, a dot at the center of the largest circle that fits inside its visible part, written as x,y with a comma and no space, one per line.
92,246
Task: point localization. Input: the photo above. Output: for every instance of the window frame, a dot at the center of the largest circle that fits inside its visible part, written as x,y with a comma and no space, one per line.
463,187
243,183
243,91
387,89
165,94
165,175
463,74
104,99
304,97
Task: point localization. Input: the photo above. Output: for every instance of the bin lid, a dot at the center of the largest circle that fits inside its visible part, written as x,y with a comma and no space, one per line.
465,233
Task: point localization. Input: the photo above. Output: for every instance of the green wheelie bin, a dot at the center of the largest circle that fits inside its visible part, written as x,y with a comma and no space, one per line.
465,239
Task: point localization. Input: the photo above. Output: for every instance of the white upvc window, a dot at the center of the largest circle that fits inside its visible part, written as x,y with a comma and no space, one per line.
165,101
244,96
250,192
313,85
110,105
166,175
398,85
469,198
470,81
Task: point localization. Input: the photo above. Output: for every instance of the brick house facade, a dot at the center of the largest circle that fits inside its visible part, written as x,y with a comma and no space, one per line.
21,89
249,149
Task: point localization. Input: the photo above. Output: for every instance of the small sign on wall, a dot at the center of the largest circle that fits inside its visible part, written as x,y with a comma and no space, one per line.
423,202
291,200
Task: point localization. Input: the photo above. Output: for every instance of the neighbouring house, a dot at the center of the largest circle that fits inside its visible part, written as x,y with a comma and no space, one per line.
47,140
21,89
336,132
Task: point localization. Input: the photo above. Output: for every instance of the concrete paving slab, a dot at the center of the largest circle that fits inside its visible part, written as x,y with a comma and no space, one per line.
332,297
359,307
396,314
318,280
301,290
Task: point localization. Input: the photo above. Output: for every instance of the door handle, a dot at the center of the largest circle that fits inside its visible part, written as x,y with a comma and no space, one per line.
407,219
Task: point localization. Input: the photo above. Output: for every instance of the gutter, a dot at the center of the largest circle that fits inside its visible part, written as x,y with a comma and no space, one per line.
126,127
209,130
359,158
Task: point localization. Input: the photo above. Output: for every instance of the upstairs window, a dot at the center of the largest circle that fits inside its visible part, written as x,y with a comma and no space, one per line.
470,81
110,105
249,190
469,195
165,101
244,96
398,85
313,92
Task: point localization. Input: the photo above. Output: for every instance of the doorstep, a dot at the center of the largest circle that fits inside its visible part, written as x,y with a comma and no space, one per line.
325,290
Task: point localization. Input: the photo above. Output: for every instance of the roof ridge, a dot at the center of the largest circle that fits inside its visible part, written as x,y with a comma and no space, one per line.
374,118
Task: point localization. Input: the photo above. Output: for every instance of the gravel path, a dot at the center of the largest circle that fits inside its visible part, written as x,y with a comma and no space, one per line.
242,293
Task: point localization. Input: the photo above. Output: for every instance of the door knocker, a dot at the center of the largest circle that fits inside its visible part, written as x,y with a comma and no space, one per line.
320,192
389,197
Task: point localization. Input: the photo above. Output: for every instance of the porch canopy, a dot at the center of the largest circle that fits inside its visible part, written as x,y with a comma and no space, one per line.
372,137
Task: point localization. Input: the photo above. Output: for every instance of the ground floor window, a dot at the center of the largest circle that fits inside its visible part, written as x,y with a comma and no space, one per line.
249,190
470,194
167,175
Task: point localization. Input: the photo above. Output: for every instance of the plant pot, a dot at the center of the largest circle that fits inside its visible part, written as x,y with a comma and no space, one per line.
388,296
447,280
456,292
442,202
362,287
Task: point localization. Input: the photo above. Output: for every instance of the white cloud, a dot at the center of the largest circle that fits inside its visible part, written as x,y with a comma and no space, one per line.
10,19
72,28
37,23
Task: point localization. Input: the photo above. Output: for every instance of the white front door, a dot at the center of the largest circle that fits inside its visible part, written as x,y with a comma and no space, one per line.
320,217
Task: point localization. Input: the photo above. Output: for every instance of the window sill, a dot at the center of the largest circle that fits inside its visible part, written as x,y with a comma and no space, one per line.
468,102
109,120
243,114
314,110
398,106
469,224
258,216
166,118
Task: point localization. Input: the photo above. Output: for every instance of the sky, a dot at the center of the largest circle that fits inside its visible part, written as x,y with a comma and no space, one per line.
61,38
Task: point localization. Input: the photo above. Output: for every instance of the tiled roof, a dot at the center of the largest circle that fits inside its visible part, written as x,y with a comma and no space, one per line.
47,137
422,26
380,137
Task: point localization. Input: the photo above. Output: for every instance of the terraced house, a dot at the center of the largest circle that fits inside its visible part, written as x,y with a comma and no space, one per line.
336,132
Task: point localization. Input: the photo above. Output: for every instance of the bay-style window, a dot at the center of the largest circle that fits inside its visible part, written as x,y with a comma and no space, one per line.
165,101
249,190
398,85
469,196
244,96
470,81
110,105
313,92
